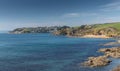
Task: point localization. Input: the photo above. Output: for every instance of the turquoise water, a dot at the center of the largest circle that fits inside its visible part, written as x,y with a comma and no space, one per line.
46,52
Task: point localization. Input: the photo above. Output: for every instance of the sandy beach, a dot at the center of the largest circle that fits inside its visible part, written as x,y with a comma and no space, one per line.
95,36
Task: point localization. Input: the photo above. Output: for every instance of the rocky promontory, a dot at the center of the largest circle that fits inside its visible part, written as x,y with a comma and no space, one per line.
113,52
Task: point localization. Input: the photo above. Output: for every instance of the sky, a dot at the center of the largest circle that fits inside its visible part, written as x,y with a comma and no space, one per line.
33,13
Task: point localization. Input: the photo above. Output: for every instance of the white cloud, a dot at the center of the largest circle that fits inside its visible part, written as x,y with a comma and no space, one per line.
71,15
89,14
113,6
106,19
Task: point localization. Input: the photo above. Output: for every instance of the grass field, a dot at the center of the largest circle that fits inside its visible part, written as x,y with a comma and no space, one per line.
107,25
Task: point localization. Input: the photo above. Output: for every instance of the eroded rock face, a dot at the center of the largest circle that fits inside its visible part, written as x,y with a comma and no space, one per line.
97,61
111,52
117,68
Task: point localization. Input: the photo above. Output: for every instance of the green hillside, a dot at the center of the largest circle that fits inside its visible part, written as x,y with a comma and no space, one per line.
108,29
107,25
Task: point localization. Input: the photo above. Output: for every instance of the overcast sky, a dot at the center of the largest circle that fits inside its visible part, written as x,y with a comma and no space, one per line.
28,13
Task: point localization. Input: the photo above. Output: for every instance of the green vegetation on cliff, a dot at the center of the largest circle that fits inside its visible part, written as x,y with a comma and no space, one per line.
108,29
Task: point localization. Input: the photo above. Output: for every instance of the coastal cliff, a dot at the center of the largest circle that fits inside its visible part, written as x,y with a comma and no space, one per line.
94,31
106,30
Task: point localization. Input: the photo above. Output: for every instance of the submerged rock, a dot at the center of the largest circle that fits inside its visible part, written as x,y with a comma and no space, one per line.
118,41
112,52
111,43
97,61
117,68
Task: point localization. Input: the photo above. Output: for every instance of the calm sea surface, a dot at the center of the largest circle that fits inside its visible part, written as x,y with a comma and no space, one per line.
46,52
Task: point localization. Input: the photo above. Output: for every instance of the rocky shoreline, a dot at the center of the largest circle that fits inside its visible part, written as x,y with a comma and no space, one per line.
97,61
104,60
111,52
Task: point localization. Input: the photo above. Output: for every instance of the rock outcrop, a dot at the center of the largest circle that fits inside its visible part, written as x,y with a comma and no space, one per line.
111,52
103,60
97,61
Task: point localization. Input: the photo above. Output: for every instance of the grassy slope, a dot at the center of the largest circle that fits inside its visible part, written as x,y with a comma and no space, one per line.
96,28
113,25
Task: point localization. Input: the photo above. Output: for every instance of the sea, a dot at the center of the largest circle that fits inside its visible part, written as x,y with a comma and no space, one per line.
47,52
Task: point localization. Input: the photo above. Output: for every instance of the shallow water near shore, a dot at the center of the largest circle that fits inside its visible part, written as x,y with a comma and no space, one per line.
46,52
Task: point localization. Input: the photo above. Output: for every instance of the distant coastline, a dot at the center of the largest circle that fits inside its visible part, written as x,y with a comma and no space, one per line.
107,30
